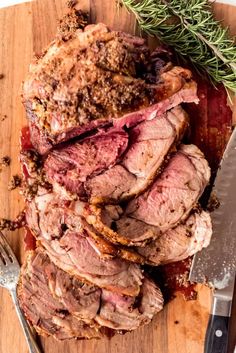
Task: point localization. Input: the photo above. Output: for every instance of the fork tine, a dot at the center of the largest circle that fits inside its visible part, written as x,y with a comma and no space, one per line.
4,255
1,261
7,249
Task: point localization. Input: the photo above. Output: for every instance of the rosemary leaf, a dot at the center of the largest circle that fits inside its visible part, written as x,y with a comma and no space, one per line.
189,26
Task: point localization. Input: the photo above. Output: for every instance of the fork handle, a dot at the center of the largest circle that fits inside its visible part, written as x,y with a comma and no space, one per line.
33,347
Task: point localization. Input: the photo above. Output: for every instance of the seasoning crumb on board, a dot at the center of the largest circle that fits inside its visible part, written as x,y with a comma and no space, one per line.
14,182
176,322
5,161
1,76
8,224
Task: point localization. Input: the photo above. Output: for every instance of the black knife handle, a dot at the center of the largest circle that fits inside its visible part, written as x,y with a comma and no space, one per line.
217,334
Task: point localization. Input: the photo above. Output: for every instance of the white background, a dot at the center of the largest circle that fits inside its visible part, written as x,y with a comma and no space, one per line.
4,3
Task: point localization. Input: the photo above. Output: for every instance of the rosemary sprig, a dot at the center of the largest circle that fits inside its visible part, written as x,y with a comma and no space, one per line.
189,26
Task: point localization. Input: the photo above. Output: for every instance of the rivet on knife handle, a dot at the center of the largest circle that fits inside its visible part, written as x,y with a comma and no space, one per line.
217,334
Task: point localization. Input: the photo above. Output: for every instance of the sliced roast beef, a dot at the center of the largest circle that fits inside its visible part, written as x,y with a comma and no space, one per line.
72,165
150,141
65,247
107,249
81,299
126,313
111,222
70,308
68,215
175,192
57,225
86,168
115,274
156,247
180,242
167,202
47,312
93,78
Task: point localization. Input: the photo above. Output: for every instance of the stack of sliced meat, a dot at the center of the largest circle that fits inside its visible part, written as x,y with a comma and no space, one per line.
111,186
66,307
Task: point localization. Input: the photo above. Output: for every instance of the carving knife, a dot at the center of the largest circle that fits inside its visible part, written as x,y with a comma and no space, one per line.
216,264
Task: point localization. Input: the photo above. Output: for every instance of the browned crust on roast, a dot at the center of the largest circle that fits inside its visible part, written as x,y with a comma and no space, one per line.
125,91
94,217
108,249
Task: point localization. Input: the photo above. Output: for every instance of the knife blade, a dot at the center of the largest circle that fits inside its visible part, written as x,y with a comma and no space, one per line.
216,264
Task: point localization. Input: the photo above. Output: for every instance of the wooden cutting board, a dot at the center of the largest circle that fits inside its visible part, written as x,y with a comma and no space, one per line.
25,29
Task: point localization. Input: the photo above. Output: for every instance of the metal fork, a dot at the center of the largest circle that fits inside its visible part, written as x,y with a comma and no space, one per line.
9,275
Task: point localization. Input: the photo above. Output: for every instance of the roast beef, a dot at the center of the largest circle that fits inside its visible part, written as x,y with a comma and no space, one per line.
65,246
72,165
126,313
86,168
57,226
71,212
180,242
94,78
79,298
108,186
62,306
175,193
167,202
49,313
150,141
156,247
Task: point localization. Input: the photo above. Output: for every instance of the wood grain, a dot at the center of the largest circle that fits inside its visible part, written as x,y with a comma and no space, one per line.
15,55
25,29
